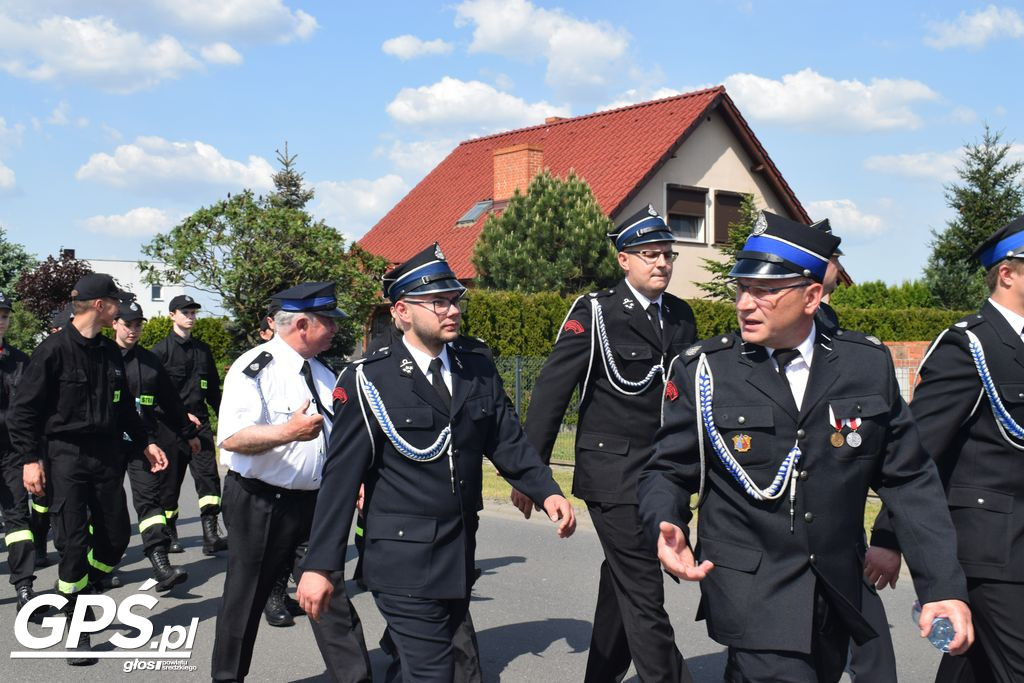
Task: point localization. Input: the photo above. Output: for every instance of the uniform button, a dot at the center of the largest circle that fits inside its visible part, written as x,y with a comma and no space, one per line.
800,433
741,420
600,444
402,533
803,474
981,501
858,407
408,420
277,495
462,482
1021,395
808,517
812,559
632,353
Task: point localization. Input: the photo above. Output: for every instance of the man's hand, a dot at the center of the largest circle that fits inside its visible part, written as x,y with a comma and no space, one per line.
194,420
360,499
676,556
314,593
958,613
558,508
882,566
33,478
157,458
305,427
521,501
194,445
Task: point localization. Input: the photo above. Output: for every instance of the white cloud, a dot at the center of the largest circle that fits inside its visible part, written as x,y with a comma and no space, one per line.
94,50
452,102
582,56
634,95
353,206
152,161
60,116
409,47
141,222
809,98
253,20
418,157
10,136
962,114
973,31
6,178
846,218
940,166
220,53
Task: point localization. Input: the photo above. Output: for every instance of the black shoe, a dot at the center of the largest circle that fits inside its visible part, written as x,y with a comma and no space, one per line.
172,527
292,605
275,611
166,575
105,582
25,593
82,646
213,542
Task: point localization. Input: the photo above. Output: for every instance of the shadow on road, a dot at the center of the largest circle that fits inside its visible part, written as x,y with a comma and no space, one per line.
501,645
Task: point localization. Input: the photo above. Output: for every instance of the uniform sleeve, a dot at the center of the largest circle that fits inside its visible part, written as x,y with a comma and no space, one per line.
213,381
129,421
27,417
513,454
564,369
908,483
242,407
173,409
349,454
672,473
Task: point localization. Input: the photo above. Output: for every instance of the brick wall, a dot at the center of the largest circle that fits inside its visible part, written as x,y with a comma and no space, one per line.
906,356
514,167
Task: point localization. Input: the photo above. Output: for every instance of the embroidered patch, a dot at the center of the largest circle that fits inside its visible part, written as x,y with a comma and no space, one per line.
760,226
573,327
438,254
628,303
671,392
692,351
874,340
406,366
741,443
340,395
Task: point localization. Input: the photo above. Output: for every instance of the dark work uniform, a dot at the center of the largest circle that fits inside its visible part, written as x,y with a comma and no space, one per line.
421,517
151,387
982,473
74,392
785,593
14,501
613,440
190,365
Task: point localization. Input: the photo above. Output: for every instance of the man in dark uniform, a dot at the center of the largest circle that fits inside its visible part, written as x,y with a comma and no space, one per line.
190,364
271,430
74,392
414,422
156,399
18,536
780,430
968,407
615,345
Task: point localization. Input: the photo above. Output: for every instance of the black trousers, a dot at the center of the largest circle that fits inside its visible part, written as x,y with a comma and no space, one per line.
267,526
88,490
630,622
875,660
147,488
204,472
422,631
825,663
997,609
339,636
21,551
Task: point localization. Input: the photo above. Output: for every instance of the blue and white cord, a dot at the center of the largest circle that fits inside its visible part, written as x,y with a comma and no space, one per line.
1004,421
379,411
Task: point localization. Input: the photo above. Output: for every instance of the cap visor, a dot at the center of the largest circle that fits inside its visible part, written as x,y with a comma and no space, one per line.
332,313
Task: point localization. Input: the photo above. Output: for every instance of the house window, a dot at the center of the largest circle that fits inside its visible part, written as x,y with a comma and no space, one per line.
687,208
469,218
727,211
156,292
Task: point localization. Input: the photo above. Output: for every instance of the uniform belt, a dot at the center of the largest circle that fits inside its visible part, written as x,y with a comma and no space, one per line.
258,487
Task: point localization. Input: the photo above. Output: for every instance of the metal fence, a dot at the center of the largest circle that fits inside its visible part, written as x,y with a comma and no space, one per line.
519,373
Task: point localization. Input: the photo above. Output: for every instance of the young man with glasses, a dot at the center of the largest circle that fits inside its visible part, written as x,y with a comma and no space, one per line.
780,431
413,422
615,345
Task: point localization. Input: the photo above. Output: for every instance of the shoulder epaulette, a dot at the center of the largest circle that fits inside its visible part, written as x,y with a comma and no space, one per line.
472,345
382,352
709,345
600,294
258,363
966,323
858,337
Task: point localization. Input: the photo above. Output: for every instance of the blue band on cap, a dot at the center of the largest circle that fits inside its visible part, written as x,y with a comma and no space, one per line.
998,251
299,305
805,259
622,239
435,268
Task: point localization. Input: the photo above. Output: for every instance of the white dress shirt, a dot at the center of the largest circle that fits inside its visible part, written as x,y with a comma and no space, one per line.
798,371
422,360
1016,321
645,302
276,393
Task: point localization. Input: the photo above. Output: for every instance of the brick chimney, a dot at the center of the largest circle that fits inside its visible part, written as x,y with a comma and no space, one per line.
515,167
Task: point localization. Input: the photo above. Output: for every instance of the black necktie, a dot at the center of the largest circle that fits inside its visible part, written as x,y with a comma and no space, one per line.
307,374
652,315
438,383
784,357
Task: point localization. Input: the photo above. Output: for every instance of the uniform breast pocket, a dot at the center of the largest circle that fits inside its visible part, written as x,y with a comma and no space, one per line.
869,414
400,549
73,397
1013,398
982,520
480,407
631,352
281,410
749,433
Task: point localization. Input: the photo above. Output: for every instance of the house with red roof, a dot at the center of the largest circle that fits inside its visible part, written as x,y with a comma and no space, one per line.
692,157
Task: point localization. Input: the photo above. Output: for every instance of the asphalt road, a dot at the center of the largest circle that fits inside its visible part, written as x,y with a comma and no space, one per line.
532,609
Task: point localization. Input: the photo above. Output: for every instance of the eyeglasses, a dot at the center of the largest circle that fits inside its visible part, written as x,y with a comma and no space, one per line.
441,306
762,293
651,256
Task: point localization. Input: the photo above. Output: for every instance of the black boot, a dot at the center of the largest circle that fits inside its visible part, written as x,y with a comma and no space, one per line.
172,529
83,645
25,593
165,574
213,542
275,611
101,582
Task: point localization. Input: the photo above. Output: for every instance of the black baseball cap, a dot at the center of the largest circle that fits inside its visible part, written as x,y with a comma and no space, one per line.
182,302
129,311
97,286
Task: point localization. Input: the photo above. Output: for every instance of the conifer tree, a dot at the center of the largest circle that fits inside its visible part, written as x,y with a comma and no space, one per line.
718,287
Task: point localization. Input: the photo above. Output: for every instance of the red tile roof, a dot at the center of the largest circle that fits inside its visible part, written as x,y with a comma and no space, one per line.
616,152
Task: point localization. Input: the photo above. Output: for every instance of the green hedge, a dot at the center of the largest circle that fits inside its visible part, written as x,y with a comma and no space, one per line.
213,331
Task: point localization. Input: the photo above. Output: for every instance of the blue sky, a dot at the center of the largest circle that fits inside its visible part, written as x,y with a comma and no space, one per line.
119,118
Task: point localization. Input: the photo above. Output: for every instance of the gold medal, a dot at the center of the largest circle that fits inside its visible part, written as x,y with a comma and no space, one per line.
837,439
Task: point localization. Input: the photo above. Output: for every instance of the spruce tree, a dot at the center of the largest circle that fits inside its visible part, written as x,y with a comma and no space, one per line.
289,191
989,196
718,287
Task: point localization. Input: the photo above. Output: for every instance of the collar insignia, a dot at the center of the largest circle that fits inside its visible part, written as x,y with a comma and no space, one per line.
406,367
628,303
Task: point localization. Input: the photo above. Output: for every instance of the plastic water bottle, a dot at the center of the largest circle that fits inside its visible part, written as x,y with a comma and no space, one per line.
942,632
